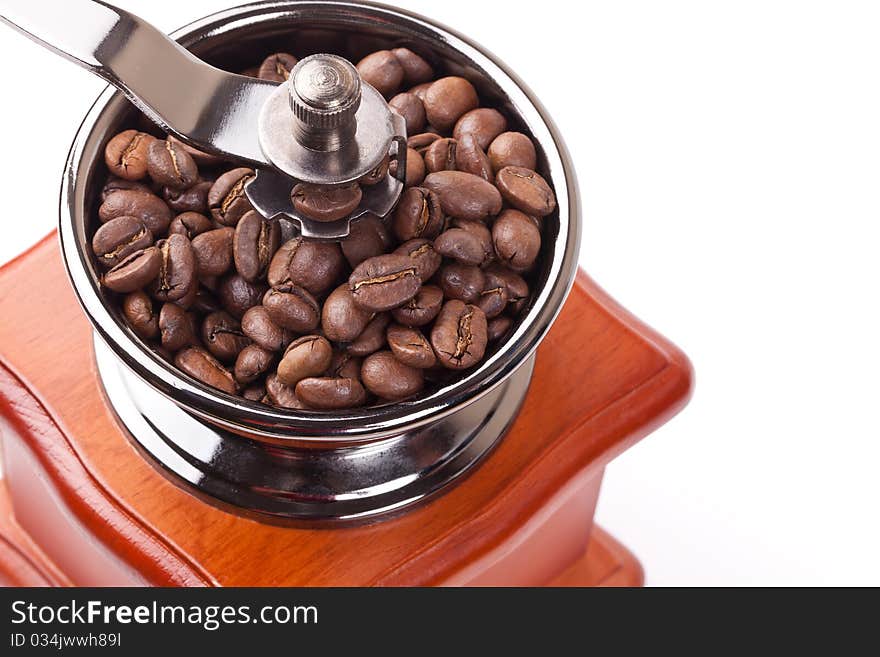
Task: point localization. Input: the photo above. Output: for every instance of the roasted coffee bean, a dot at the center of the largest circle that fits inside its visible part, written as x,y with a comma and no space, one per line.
377,175
526,190
331,394
460,245
498,328
315,266
423,256
293,308
464,195
146,206
516,239
177,269
485,124
126,154
372,338
420,142
227,199
462,282
306,357
251,363
384,282
493,300
277,67
410,107
470,158
178,328
170,165
415,168
213,251
459,336
189,224
415,69
421,309
281,395
201,158
512,149
411,347
191,199
137,308
238,295
344,366
259,327
479,230
117,184
418,214
222,335
205,301
135,271
202,366
326,203
514,284
383,71
388,378
440,156
421,89
255,392
448,99
342,320
368,238
256,241
119,238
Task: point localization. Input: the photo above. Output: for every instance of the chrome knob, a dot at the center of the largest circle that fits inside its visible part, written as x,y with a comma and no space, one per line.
325,94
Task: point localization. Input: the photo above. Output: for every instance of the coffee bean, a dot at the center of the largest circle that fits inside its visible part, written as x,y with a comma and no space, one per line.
177,327
213,251
256,241
342,320
459,336
415,168
388,378
440,156
344,366
238,295
191,199
282,396
259,327
223,337
205,301
135,271
251,363
202,366
485,124
117,184
326,203
464,195
517,240
137,308
331,394
177,269
170,165
420,142
293,308
515,286
277,67
421,309
314,266
227,199
126,154
481,232
462,282
368,238
372,338
255,393
470,158
512,149
306,357
460,245
410,107
376,175
189,224
383,71
415,69
201,158
119,238
146,206
384,282
421,89
423,256
411,347
418,214
493,299
448,99
498,328
526,190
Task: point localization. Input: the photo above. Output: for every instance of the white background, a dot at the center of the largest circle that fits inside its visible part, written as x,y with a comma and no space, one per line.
729,159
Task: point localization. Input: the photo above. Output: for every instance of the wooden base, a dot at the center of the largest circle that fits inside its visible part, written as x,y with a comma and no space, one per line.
86,509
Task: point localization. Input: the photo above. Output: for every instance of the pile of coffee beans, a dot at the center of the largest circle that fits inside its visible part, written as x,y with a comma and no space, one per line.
402,303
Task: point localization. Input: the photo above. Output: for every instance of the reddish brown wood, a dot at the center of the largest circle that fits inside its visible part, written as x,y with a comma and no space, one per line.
523,517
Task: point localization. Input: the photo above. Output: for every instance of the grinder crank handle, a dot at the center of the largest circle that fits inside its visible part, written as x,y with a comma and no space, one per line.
210,109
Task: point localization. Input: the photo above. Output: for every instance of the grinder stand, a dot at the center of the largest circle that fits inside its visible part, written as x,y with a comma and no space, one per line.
79,505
